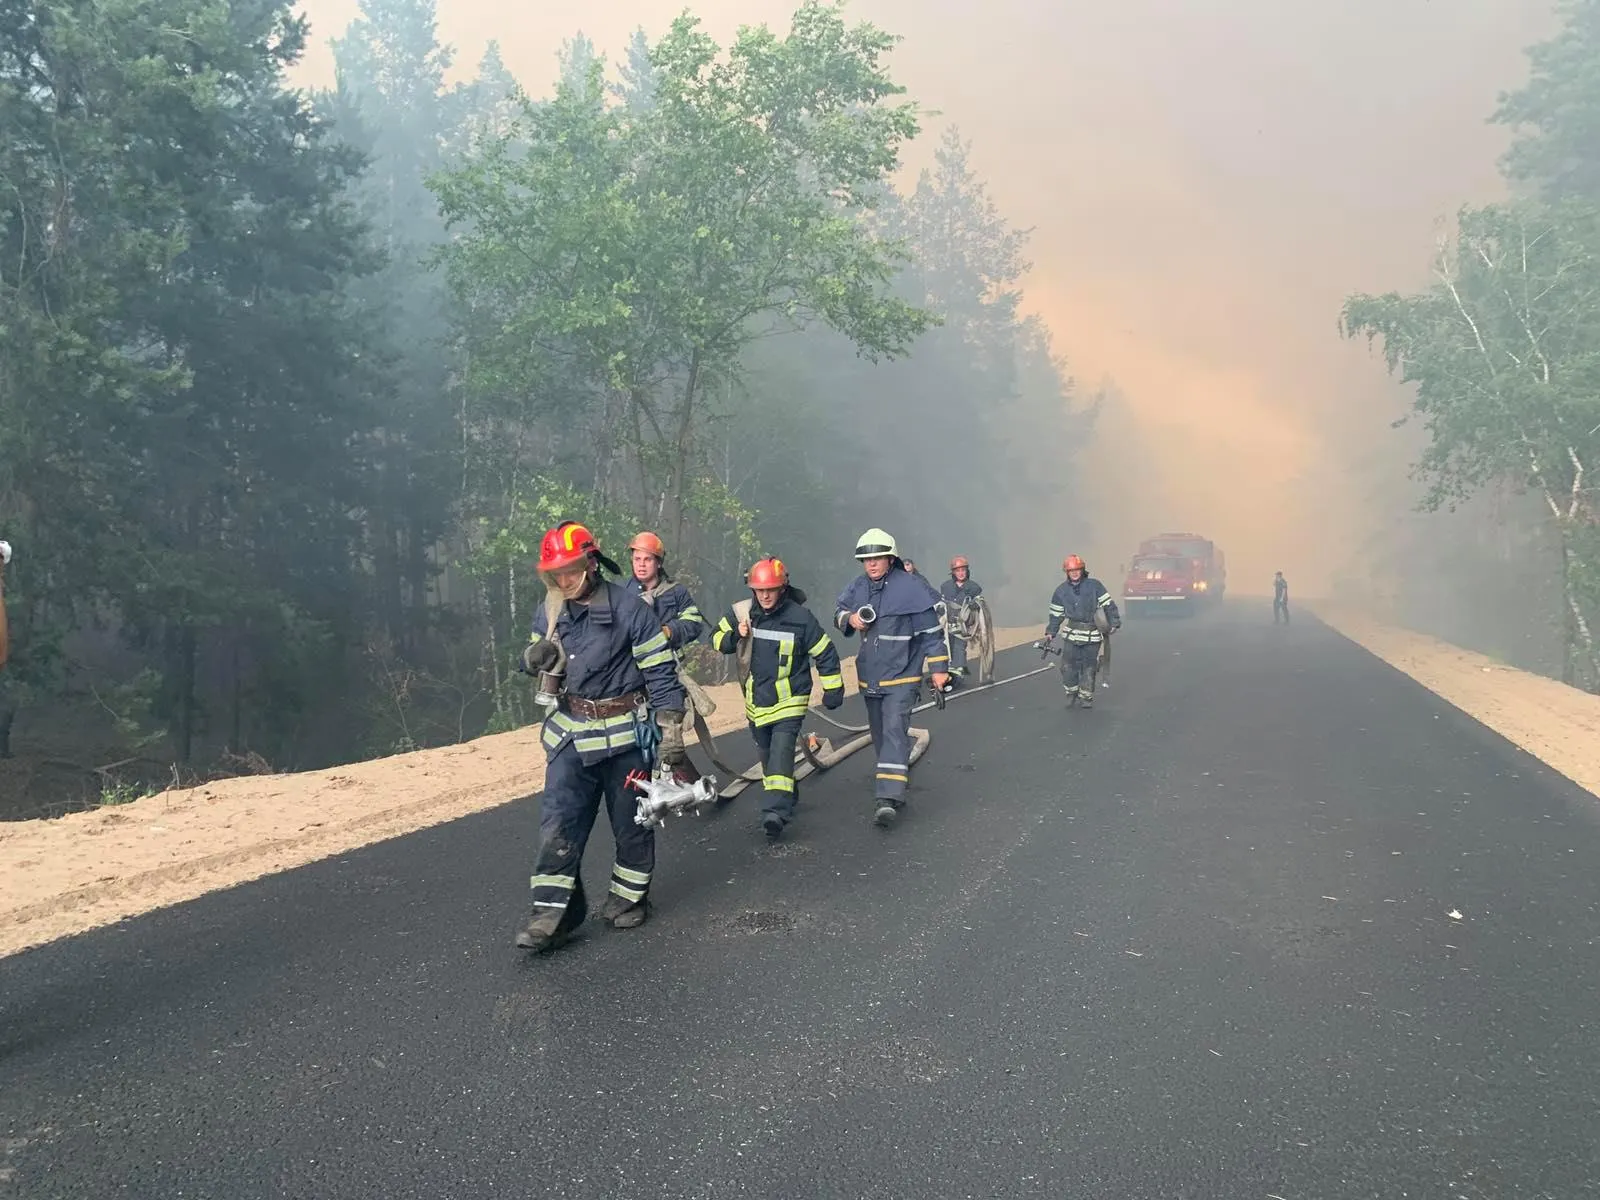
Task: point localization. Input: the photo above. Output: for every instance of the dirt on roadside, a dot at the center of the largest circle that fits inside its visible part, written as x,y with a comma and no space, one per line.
1557,724
87,869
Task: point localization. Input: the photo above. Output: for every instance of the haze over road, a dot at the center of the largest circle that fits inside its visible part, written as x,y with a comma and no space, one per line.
1198,942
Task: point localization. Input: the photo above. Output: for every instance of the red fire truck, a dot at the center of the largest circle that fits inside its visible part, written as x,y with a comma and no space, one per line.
1178,572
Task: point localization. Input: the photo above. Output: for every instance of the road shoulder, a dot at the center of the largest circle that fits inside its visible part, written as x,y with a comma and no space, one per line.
1557,724
66,875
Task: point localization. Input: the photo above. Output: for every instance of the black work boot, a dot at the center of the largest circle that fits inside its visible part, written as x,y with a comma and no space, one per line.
773,824
630,915
888,813
545,931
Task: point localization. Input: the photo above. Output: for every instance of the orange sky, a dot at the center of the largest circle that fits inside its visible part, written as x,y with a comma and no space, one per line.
1206,181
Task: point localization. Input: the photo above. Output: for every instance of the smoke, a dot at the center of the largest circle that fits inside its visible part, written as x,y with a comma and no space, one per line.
1205,184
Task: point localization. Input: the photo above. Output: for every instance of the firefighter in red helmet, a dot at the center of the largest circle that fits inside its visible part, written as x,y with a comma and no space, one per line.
959,592
600,655
777,641
1086,614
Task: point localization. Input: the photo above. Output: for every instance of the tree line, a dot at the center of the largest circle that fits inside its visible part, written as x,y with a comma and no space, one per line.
1503,346
290,382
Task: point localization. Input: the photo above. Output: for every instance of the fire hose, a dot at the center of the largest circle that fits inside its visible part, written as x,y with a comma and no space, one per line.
815,753
662,795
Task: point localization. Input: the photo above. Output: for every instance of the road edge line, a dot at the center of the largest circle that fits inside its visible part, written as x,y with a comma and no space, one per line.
1546,719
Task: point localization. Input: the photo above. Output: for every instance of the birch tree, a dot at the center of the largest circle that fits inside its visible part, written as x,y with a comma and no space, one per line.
1504,350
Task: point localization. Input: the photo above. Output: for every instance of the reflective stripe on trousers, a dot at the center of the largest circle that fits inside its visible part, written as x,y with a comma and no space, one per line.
1080,663
777,741
889,715
958,654
567,812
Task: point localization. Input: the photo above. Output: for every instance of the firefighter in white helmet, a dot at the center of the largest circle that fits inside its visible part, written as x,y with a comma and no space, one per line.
901,638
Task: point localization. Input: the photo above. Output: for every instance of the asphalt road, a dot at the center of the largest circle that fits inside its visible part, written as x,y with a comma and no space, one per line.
1197,942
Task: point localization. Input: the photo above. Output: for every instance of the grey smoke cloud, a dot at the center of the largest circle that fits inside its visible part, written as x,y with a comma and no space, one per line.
1205,182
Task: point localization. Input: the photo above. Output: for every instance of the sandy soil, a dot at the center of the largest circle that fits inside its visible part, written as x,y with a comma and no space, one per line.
1557,724
64,876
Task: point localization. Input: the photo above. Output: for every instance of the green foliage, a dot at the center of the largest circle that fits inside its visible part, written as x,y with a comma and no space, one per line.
1504,351
120,792
278,486
1557,113
1503,347
626,255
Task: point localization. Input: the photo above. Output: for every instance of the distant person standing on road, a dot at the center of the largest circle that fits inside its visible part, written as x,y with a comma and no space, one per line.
1280,598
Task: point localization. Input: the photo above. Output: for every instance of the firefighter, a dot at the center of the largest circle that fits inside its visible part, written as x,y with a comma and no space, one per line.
777,639
892,609
680,619
959,589
606,650
1280,598
1083,605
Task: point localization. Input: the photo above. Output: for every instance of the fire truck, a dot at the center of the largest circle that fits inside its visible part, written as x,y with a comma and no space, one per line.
1174,572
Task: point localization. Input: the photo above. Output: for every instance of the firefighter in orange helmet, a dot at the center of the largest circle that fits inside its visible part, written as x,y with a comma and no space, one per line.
601,652
1089,614
681,621
959,590
777,641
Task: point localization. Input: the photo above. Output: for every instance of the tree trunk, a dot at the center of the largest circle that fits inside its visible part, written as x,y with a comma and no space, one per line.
236,730
636,411
181,654
680,465
1580,639
8,715
416,563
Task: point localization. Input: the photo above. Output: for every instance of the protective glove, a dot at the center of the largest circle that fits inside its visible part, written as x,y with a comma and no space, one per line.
833,699
670,751
538,656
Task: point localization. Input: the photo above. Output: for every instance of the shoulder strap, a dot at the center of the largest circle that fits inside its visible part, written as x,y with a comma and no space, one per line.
553,604
741,611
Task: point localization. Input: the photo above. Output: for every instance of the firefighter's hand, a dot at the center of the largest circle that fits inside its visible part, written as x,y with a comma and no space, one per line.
671,749
744,629
941,680
833,699
539,656
856,622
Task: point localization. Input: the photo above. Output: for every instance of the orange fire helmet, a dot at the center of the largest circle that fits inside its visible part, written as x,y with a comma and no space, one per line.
650,544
